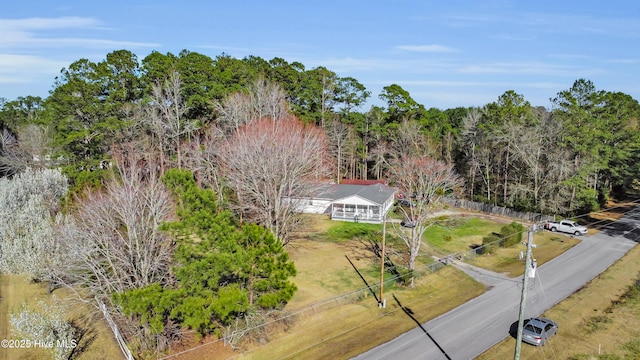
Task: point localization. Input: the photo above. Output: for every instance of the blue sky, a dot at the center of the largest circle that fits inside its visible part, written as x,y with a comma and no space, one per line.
445,53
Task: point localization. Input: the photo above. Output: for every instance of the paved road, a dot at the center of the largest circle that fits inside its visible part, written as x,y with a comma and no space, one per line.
468,330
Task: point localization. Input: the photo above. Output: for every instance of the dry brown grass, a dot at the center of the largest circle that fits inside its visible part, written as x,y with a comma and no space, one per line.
347,330
323,270
588,322
15,290
345,327
611,212
507,260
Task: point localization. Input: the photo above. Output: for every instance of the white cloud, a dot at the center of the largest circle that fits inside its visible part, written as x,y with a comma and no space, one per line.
27,62
469,84
352,64
445,83
85,42
244,51
48,23
33,50
26,69
382,65
624,61
530,68
426,48
450,99
31,33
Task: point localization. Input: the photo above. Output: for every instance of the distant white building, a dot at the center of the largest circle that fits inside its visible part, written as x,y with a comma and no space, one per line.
347,202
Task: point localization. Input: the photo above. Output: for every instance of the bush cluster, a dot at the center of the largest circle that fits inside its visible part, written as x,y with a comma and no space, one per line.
47,324
508,236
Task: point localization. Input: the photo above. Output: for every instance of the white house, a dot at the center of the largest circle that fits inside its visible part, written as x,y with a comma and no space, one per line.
347,202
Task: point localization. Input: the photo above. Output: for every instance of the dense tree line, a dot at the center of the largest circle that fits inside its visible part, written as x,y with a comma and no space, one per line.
566,159
178,166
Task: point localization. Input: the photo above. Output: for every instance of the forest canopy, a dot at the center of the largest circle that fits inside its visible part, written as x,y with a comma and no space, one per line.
564,160
165,184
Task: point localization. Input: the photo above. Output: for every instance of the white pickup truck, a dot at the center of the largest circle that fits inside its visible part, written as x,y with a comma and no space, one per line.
566,226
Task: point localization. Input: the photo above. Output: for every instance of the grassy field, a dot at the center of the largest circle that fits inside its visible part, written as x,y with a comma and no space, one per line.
343,328
600,321
321,258
333,315
349,329
456,234
96,343
507,260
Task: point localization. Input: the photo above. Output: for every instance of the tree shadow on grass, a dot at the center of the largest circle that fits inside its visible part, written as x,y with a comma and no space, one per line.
85,336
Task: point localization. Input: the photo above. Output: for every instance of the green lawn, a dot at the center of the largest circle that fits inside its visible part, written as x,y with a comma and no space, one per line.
329,324
457,234
344,329
507,260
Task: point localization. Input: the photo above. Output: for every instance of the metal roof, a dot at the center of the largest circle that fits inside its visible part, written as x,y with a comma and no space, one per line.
377,193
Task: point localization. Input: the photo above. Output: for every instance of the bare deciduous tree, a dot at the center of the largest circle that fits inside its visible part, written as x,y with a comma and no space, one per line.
234,112
31,148
408,140
268,100
264,100
12,158
204,159
378,155
37,141
338,133
555,191
165,116
114,240
539,168
29,206
271,163
477,151
423,180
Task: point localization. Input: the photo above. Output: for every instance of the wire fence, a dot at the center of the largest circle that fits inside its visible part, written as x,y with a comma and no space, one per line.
116,333
234,334
372,290
364,293
499,210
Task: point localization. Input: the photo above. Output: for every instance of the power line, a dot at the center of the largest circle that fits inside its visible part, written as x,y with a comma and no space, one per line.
601,223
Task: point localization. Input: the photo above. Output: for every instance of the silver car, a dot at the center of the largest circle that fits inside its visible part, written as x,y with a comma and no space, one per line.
408,223
536,331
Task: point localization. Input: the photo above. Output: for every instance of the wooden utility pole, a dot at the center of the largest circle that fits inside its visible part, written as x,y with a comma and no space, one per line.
525,277
382,254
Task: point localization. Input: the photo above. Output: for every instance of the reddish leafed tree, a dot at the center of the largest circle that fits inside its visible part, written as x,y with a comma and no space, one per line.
423,181
272,166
